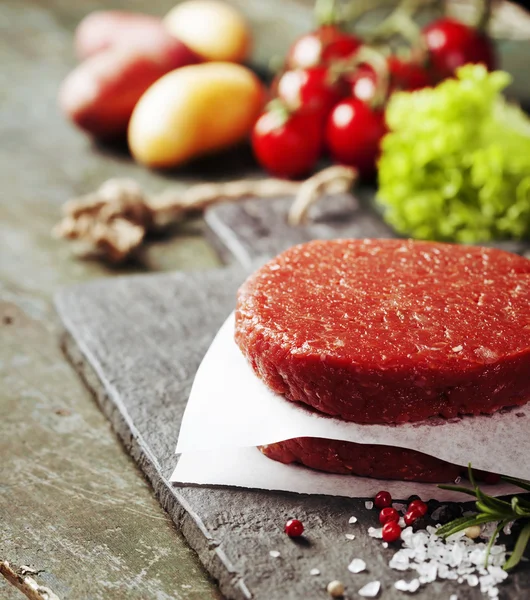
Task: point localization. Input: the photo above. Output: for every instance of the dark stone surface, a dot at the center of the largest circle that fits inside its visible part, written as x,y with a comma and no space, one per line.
256,229
137,342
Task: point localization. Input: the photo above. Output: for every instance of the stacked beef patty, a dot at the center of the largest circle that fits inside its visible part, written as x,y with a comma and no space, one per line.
387,331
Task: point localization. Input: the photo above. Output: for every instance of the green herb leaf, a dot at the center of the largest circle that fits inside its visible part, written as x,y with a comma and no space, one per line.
491,510
498,529
520,547
519,510
525,485
465,522
496,512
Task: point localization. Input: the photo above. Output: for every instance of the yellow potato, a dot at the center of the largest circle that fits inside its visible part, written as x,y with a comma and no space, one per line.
213,29
193,111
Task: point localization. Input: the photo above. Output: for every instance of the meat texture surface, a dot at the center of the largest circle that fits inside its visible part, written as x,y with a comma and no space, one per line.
390,331
366,460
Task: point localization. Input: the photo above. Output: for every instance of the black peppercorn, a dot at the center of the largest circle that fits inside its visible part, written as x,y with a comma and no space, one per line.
449,512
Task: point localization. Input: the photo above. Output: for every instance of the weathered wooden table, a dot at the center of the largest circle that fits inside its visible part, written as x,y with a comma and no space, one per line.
72,504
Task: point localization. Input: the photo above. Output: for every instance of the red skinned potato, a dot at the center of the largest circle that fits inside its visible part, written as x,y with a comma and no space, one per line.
214,29
100,94
105,28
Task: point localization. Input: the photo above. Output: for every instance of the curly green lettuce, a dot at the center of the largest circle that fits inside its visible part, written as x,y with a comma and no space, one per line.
455,164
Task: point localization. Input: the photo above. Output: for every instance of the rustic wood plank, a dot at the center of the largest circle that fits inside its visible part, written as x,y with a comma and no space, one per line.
72,503
165,323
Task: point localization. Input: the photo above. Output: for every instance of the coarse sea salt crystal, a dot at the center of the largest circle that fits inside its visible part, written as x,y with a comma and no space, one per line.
314,572
427,571
478,556
453,597
457,555
375,533
352,520
274,554
459,559
443,571
369,505
419,540
349,536
431,529
407,586
357,565
406,535
370,590
400,561
497,572
456,536
488,530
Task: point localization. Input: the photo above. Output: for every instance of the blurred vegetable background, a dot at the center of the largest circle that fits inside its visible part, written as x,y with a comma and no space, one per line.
376,85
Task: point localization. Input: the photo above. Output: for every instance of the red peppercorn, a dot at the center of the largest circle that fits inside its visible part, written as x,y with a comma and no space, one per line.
388,514
382,500
294,528
411,516
418,505
391,531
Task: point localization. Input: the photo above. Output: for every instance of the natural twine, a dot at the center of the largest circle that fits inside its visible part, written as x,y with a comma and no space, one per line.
113,221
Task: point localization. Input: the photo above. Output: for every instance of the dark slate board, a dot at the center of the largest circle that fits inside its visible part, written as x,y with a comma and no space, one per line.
137,342
256,229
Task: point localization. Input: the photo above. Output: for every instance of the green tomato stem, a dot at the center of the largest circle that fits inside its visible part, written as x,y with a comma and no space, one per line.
326,12
401,23
367,55
484,15
356,9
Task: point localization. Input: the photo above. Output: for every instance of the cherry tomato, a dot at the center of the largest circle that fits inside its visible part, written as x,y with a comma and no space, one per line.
404,75
311,88
322,46
407,75
362,82
452,44
288,145
353,135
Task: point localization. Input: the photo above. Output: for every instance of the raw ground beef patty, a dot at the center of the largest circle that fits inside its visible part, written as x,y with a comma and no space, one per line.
389,331
366,460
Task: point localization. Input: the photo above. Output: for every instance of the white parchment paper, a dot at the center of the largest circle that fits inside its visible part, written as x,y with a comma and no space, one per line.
230,407
248,468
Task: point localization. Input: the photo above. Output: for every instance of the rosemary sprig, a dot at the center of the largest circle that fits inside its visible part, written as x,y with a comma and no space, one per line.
494,510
